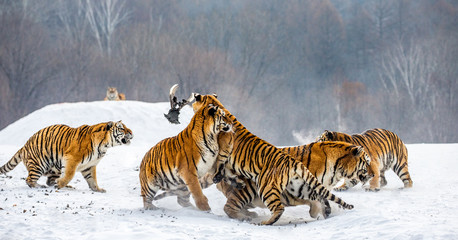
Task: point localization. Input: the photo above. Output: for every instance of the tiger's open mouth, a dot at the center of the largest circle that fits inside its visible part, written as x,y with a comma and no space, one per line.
126,139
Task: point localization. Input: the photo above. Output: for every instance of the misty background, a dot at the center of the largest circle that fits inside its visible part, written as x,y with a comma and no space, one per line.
287,69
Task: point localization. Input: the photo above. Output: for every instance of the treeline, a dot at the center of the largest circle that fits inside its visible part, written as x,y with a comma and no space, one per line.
287,69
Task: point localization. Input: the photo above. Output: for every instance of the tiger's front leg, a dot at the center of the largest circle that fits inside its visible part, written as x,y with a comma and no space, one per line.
191,180
90,175
347,185
225,143
70,169
375,181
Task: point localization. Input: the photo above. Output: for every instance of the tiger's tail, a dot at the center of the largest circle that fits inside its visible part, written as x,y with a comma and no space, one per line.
318,191
12,163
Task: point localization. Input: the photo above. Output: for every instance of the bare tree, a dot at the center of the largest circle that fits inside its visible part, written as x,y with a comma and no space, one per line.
410,69
104,18
23,62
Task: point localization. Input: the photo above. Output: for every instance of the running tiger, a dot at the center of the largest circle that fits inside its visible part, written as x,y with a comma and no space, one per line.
328,161
385,149
273,171
113,95
180,161
80,149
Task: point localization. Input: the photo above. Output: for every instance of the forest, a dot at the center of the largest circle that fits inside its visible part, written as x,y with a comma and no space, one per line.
287,69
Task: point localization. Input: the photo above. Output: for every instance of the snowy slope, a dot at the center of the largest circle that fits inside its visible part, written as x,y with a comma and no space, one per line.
427,211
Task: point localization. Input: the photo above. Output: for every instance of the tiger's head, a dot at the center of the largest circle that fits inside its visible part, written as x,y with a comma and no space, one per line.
112,133
218,118
211,100
327,136
362,170
112,93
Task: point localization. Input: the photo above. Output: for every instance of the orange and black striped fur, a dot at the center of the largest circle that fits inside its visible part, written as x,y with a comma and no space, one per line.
329,162
385,149
273,171
179,161
59,147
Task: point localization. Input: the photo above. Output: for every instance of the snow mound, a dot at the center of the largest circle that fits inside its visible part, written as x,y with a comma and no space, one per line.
427,211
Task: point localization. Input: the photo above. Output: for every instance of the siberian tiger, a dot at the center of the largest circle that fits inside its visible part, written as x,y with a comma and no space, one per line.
329,162
179,161
273,171
385,149
113,95
332,161
80,149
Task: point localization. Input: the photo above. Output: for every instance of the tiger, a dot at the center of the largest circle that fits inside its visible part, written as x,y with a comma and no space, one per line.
59,148
177,163
385,149
273,171
113,95
328,161
331,161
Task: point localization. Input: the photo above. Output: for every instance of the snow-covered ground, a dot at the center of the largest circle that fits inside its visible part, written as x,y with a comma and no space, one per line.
427,211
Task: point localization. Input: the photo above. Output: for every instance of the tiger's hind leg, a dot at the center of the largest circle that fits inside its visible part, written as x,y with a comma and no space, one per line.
318,210
148,193
35,173
383,181
183,200
271,198
52,180
403,173
237,201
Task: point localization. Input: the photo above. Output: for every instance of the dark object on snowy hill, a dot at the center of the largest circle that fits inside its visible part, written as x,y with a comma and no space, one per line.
176,106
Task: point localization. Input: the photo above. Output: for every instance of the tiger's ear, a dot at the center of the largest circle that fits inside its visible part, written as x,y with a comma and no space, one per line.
328,134
357,151
214,95
198,97
212,110
119,124
109,125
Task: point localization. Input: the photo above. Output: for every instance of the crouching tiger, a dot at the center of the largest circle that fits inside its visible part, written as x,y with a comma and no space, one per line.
385,149
74,149
329,162
273,171
179,161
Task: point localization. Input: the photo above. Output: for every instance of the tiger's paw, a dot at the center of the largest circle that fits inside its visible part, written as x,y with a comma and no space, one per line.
251,215
372,189
340,189
100,190
217,178
150,207
203,205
